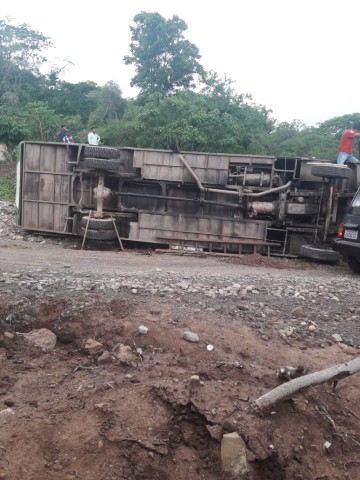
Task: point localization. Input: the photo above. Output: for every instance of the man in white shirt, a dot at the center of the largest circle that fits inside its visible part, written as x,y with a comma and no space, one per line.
93,137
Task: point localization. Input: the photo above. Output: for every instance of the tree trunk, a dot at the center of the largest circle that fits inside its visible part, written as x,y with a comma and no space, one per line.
331,374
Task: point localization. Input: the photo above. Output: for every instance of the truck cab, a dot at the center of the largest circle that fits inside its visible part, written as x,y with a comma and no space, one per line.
348,243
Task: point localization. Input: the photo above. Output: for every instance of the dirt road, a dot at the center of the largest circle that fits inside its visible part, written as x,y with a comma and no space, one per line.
110,411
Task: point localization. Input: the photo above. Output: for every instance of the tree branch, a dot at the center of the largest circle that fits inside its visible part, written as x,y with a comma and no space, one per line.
331,374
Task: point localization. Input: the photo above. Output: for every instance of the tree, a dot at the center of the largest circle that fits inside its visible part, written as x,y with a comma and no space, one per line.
295,139
12,130
20,56
42,122
73,98
109,104
188,121
336,125
164,60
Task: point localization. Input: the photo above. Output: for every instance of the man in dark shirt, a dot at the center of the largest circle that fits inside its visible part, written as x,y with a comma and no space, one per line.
62,133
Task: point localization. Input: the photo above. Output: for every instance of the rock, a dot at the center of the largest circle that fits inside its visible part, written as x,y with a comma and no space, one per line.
5,155
5,415
289,331
312,328
336,337
191,337
215,431
124,352
194,383
9,335
143,330
348,349
297,312
42,338
93,347
327,446
105,357
243,308
233,454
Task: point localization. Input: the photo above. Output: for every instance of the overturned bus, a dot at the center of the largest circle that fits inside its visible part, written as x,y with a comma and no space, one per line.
208,201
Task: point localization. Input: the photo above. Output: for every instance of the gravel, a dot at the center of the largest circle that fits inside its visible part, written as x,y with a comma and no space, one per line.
262,297
331,310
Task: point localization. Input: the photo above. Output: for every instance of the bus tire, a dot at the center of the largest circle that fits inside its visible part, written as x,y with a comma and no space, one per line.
98,234
101,152
101,163
331,170
97,223
323,254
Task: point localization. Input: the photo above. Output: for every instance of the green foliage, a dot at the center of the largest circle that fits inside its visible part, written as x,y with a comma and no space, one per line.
336,125
73,99
8,186
109,105
20,57
164,60
12,130
189,121
296,140
42,122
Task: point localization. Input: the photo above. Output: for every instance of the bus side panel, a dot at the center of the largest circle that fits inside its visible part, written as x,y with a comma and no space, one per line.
45,187
157,227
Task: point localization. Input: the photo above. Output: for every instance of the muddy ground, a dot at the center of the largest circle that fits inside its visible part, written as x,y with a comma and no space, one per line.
70,413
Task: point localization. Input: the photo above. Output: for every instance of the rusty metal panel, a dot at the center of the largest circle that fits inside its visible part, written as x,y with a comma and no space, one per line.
305,173
159,165
157,227
249,160
45,186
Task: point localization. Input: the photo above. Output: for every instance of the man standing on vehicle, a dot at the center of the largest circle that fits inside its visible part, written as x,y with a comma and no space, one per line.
93,137
62,134
346,143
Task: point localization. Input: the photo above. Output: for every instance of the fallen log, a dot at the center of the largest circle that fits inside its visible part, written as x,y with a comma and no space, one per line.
331,374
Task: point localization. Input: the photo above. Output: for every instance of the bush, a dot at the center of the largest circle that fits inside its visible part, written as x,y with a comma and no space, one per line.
7,183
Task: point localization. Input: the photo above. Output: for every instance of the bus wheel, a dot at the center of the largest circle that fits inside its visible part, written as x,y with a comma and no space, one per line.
97,223
98,234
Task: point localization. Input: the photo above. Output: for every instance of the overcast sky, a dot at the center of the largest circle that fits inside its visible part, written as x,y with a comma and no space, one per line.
299,59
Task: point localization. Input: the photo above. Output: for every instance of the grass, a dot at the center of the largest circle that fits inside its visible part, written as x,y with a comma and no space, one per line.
7,182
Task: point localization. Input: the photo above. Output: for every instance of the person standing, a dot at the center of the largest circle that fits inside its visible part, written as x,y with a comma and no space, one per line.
62,133
345,147
93,137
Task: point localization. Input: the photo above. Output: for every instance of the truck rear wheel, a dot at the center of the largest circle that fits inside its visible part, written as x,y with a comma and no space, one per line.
101,152
101,163
331,170
323,254
354,264
97,223
99,234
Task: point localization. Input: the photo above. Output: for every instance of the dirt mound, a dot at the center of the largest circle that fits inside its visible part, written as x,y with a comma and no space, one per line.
283,263
71,414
